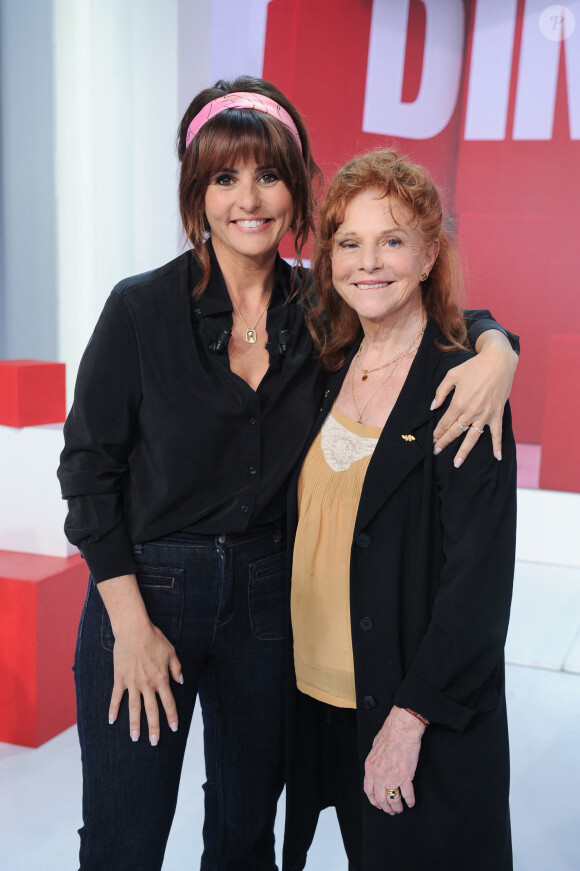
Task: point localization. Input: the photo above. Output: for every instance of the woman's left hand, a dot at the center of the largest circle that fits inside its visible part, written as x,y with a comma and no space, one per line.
393,760
482,386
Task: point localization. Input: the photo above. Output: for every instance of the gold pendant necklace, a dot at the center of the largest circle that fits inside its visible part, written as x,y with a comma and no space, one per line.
366,372
251,334
372,396
394,363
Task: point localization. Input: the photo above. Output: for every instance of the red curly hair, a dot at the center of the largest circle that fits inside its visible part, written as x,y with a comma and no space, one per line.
333,324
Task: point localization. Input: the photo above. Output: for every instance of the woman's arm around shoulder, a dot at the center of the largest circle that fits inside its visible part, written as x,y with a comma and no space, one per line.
481,387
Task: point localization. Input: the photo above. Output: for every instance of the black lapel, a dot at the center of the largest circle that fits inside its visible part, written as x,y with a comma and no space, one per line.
404,442
332,389
333,383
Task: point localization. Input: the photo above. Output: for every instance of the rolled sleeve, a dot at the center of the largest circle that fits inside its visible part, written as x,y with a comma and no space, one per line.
481,320
99,433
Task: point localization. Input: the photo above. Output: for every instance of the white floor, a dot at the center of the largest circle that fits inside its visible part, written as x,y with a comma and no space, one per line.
40,789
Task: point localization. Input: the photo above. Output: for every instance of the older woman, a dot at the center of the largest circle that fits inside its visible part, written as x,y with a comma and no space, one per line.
402,566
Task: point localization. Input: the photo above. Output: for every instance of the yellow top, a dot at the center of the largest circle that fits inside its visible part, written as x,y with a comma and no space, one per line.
329,491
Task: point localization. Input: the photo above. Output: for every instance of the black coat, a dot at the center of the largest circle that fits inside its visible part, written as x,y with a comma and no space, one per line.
431,575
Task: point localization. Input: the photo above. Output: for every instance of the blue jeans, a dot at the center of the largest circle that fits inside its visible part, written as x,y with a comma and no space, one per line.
220,601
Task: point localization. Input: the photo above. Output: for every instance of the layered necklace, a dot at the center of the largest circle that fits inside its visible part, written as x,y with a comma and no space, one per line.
366,372
251,334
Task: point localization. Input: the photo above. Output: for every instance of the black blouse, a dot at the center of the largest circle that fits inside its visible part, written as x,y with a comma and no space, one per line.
163,436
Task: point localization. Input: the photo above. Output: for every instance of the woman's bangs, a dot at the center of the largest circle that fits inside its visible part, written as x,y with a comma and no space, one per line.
241,136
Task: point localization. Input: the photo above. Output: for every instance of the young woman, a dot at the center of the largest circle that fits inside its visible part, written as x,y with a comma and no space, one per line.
194,399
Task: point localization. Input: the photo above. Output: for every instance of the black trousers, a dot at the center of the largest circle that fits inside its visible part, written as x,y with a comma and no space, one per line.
220,600
323,771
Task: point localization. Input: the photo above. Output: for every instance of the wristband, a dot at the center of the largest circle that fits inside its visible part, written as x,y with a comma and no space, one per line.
418,716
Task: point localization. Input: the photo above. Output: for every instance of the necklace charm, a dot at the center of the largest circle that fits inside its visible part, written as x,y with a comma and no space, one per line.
366,372
251,332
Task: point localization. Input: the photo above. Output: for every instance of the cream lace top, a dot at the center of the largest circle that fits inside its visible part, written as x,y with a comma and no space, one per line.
329,492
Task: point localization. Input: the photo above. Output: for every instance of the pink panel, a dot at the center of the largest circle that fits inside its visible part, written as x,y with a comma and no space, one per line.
529,460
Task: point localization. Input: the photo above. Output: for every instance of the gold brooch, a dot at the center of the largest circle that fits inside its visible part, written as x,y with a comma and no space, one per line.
408,438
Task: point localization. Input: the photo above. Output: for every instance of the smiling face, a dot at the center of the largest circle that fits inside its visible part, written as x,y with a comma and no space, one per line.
378,258
249,209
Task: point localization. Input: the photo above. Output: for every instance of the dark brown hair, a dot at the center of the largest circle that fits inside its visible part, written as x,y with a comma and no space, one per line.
243,134
333,324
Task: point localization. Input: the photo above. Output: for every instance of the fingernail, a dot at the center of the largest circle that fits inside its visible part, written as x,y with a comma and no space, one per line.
173,727
498,455
434,441
111,719
181,681
437,451
154,739
433,405
134,736
457,462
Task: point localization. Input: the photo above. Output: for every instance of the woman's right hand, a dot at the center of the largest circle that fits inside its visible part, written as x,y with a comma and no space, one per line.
143,659
393,760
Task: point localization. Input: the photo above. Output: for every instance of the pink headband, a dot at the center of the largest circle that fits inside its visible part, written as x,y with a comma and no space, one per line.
242,100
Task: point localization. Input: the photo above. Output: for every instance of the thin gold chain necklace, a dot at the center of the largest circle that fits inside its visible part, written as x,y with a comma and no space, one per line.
251,335
394,363
372,396
366,372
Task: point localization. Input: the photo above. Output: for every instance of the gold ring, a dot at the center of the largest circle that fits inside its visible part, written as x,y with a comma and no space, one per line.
393,794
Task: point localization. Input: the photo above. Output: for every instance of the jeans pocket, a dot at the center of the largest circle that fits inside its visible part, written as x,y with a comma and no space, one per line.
162,591
266,597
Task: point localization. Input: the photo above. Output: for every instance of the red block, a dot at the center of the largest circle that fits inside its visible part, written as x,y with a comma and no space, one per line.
41,599
32,392
560,469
